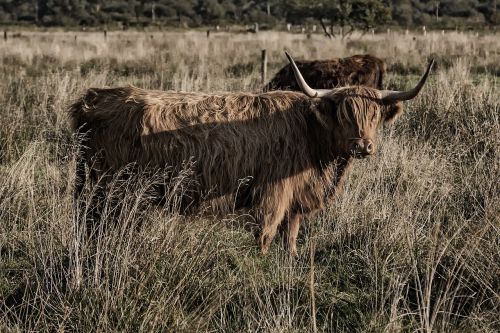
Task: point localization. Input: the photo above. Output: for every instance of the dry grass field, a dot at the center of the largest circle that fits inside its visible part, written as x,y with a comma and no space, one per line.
412,245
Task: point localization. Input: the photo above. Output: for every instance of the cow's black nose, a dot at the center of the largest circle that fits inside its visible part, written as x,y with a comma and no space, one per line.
363,147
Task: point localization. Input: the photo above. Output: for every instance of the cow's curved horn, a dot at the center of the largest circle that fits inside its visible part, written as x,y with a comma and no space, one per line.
302,83
391,96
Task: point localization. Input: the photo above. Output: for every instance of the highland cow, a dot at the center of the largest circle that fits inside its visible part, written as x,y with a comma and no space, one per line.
280,155
363,70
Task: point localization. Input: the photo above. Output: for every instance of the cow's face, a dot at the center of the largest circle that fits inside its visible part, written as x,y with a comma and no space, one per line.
356,113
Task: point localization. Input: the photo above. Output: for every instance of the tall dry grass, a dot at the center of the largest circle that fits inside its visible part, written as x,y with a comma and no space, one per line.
412,244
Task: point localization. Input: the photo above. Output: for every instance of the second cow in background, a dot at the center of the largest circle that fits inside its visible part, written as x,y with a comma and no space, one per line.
363,70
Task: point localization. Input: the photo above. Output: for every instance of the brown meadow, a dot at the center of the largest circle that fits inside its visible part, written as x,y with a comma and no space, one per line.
412,244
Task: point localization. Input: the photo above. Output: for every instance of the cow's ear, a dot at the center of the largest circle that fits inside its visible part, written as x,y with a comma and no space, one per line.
324,111
392,112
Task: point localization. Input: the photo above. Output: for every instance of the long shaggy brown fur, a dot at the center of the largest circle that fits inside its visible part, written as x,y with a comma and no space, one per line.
365,70
274,153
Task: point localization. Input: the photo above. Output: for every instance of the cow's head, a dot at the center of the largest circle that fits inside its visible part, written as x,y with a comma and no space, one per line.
354,113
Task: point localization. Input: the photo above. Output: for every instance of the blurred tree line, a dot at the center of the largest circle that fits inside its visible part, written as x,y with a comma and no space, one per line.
359,14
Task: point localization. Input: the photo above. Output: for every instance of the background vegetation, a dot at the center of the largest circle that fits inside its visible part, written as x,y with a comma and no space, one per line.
443,13
412,244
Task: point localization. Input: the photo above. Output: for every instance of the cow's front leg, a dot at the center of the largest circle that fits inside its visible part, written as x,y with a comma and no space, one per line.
291,232
273,214
269,228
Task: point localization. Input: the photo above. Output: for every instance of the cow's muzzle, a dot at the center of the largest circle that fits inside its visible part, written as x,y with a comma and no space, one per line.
362,148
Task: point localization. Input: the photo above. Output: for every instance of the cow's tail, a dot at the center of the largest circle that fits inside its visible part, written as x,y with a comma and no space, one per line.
80,175
80,128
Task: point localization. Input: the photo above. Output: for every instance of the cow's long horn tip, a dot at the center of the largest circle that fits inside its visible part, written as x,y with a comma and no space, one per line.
431,63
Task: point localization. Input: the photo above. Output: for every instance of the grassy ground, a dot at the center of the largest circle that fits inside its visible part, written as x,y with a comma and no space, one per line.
412,244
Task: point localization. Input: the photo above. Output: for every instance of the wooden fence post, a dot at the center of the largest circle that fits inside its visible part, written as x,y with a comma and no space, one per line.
256,27
105,34
208,33
5,35
263,67
325,30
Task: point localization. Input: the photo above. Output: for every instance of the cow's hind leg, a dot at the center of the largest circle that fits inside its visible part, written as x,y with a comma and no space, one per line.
97,202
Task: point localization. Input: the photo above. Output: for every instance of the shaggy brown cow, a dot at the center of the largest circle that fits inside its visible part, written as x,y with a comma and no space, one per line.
364,70
292,149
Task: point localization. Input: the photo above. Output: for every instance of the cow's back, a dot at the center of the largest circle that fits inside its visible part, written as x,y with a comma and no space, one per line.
226,140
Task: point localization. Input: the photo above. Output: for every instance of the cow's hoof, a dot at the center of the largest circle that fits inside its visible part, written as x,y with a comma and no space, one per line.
264,243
